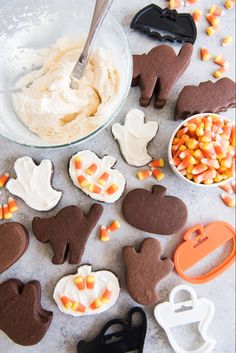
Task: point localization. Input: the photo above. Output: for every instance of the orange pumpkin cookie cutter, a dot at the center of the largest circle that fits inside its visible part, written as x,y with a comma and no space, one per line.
208,239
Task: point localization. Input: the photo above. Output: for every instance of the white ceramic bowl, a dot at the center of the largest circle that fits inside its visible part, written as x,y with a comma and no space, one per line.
26,25
175,170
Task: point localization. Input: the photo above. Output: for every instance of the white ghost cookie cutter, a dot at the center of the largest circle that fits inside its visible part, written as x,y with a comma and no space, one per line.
134,137
170,315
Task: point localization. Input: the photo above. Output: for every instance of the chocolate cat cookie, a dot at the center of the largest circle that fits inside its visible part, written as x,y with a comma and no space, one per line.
209,97
14,241
144,270
158,71
154,212
67,231
22,317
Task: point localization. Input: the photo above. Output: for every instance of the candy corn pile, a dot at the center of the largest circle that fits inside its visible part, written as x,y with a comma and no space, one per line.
203,149
153,171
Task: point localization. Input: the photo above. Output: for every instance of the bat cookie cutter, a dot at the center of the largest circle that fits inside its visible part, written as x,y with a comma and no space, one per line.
165,24
208,239
170,315
130,338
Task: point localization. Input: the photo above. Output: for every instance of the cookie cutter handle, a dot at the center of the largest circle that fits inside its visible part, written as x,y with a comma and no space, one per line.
191,231
183,287
115,322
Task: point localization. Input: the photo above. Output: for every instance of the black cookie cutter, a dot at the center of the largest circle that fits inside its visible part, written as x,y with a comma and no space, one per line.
130,338
165,24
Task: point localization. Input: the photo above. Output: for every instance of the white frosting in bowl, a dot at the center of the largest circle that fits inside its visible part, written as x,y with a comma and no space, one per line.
51,109
33,184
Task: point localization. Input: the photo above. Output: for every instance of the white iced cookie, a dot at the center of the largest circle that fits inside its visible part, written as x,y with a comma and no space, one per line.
134,137
86,292
96,177
33,184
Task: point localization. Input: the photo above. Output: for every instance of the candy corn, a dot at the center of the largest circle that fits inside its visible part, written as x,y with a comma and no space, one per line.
78,163
76,306
213,163
83,182
197,15
211,30
96,304
208,174
104,236
112,189
12,205
4,179
229,4
80,282
92,169
1,212
158,163
209,156
226,41
227,188
199,168
115,225
6,212
103,178
216,11
174,4
144,174
90,281
219,73
66,302
233,186
228,200
158,175
180,133
213,20
106,297
219,60
94,189
205,54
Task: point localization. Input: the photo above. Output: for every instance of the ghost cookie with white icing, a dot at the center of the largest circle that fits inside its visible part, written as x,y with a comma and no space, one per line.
134,137
86,292
33,184
96,176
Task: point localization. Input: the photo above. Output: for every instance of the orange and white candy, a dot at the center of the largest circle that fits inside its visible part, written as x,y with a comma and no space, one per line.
144,174
228,200
229,4
205,54
1,212
80,282
90,281
216,11
211,30
227,40
4,179
104,236
220,60
6,212
12,205
213,20
114,226
197,14
158,175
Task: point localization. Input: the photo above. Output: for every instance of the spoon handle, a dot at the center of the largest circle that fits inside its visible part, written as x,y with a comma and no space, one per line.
100,11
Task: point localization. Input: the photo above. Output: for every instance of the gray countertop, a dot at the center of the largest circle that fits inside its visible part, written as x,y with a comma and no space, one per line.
204,207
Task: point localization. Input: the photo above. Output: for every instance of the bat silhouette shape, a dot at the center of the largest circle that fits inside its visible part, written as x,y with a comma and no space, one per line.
165,24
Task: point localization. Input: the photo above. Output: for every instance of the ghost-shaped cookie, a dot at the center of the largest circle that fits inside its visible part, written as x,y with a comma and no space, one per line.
33,184
134,137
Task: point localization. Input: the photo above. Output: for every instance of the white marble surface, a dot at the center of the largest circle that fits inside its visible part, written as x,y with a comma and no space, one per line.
204,207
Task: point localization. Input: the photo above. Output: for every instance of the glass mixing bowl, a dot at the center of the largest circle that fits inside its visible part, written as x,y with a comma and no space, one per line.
27,26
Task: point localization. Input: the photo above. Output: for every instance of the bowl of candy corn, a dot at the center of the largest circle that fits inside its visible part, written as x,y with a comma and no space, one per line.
202,150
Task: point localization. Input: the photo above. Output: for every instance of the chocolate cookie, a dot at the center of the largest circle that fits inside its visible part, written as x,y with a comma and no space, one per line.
154,212
14,241
22,317
144,270
208,97
67,231
158,71
131,336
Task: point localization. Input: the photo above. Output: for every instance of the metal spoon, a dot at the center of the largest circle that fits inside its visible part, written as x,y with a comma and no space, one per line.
100,12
